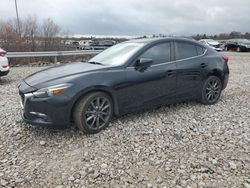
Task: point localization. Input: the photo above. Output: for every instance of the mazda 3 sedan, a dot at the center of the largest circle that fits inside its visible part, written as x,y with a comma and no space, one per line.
127,77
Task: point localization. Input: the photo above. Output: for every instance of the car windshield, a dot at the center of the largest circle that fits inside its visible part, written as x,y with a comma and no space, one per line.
117,55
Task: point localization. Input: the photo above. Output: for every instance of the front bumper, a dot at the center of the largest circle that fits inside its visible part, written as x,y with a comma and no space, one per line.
47,112
225,81
218,49
4,73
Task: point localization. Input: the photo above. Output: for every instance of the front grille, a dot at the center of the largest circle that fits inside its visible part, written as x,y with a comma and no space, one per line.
22,97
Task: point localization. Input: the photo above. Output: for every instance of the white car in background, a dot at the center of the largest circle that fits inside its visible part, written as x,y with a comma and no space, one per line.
86,44
212,43
4,64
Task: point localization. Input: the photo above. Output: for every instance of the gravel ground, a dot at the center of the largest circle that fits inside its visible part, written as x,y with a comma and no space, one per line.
183,145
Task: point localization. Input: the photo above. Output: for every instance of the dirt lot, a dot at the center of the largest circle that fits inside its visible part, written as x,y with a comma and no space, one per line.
183,145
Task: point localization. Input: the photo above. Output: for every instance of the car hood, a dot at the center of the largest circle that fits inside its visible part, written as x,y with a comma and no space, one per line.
245,43
60,72
214,43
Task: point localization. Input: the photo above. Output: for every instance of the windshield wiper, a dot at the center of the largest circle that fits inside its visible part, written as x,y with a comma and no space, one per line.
95,63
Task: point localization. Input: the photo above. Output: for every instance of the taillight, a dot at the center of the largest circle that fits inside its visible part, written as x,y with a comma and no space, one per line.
225,58
2,53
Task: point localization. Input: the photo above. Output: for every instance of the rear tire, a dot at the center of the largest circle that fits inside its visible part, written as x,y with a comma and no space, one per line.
211,90
93,112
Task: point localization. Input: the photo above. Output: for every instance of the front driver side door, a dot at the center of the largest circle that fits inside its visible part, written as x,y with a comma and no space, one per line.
156,85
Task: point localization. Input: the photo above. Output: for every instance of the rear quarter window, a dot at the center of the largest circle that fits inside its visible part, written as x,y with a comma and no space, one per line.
186,50
200,50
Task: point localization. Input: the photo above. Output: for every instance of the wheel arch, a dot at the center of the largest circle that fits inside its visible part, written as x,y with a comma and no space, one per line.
218,73
85,92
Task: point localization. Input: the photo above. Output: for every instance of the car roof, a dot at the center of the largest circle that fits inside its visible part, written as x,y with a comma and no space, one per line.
153,40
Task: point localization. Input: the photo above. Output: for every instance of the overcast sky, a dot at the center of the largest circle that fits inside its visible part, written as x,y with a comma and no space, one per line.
137,17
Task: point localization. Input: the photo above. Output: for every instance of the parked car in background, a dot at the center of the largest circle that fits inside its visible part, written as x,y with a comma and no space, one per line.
239,45
102,44
212,43
127,77
86,44
4,64
75,44
68,42
95,43
107,43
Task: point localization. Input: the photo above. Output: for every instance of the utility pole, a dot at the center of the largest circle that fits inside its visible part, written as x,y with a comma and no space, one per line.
18,22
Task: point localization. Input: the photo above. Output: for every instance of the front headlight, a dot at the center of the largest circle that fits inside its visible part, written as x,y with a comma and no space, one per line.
50,91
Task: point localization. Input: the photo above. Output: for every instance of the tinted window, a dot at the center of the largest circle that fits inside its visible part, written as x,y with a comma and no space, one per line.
200,50
159,53
185,50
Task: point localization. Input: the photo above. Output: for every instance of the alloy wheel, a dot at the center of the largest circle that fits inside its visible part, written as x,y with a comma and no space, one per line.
98,113
213,90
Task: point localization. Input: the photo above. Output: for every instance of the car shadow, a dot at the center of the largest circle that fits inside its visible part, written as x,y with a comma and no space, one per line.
159,109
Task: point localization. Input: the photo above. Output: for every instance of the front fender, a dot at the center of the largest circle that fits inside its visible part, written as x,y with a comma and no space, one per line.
98,88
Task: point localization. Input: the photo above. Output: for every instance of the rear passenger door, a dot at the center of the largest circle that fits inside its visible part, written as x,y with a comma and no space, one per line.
189,65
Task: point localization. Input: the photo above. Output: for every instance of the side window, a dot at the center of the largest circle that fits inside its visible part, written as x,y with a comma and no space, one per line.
200,50
159,53
185,50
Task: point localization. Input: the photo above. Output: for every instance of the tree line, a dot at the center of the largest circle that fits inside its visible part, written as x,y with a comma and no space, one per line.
223,36
46,35
32,36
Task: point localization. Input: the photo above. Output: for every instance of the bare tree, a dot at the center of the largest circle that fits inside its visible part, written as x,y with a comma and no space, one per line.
50,31
32,36
235,34
10,38
31,32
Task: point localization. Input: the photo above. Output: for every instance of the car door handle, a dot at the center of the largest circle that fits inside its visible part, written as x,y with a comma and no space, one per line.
171,73
203,65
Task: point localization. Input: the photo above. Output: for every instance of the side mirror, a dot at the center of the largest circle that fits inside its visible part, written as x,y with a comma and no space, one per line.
142,64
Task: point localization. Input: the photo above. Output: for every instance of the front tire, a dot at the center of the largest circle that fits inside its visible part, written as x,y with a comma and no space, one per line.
93,112
211,90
